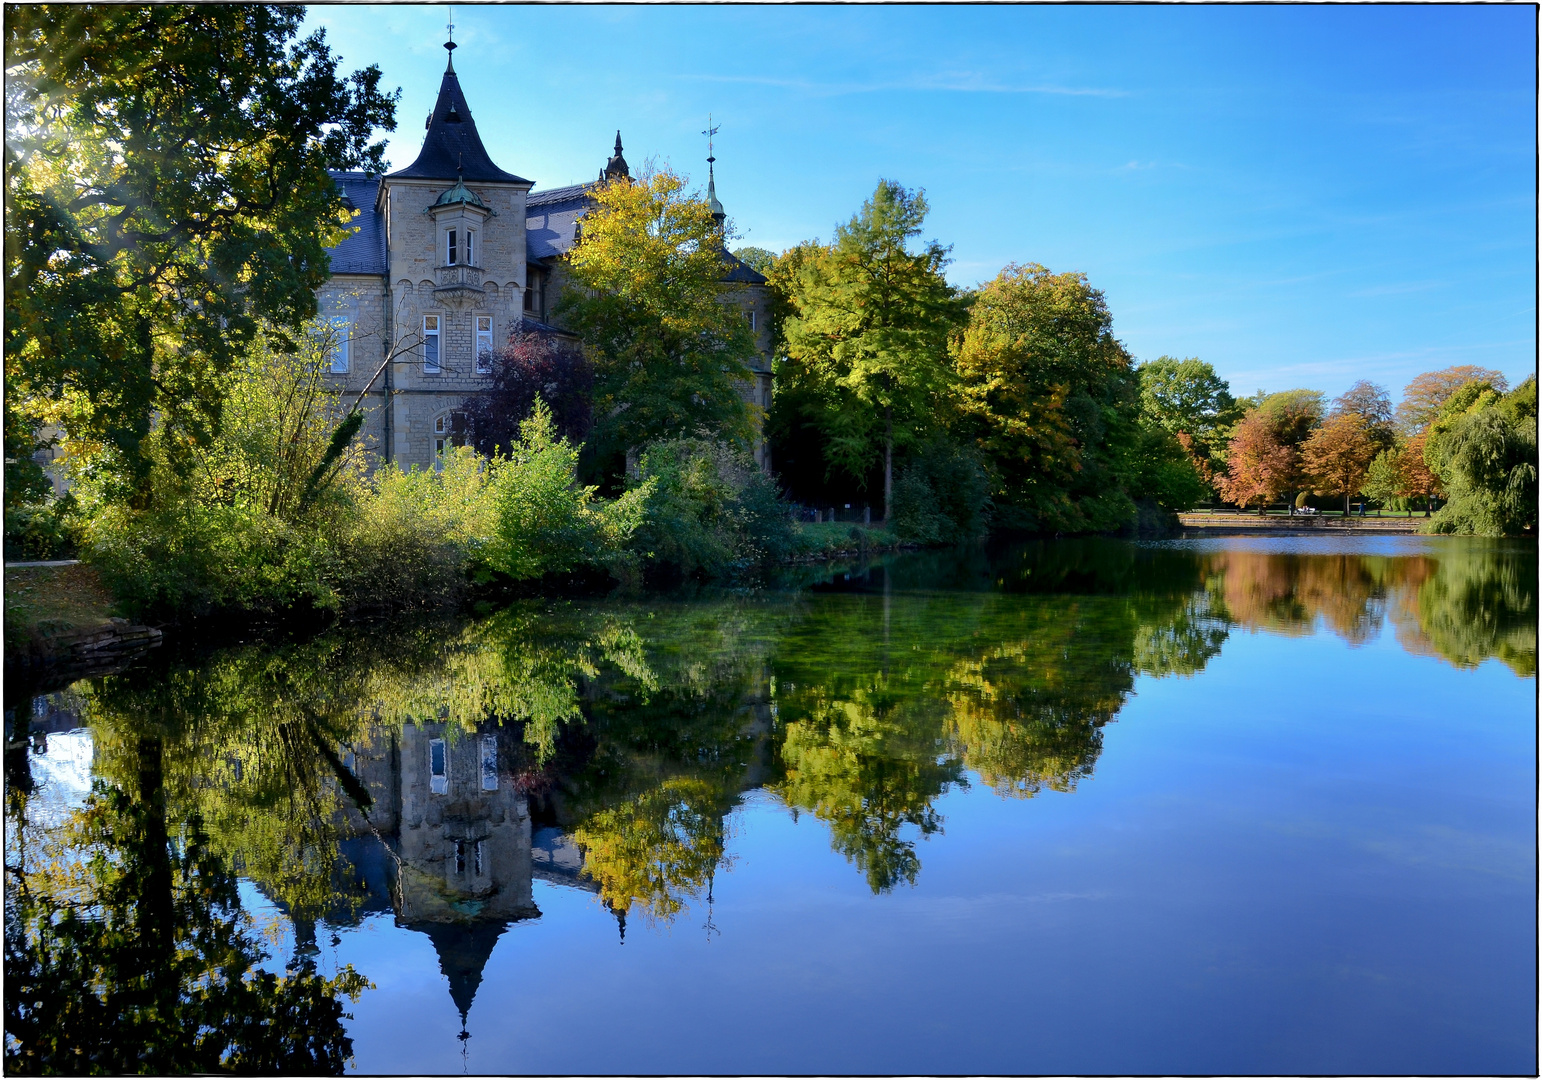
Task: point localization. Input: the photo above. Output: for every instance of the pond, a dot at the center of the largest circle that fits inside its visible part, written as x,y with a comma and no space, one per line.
1200,806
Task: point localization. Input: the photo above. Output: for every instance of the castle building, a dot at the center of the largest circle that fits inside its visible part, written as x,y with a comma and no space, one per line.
447,259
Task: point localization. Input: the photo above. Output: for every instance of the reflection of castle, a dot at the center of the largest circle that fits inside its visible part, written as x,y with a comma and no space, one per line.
453,834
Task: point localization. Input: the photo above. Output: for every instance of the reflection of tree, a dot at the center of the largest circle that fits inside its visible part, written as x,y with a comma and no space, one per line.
1462,600
1181,644
658,849
867,768
127,951
1478,601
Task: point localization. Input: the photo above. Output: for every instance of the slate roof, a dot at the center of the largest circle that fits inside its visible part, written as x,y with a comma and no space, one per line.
571,193
741,272
549,222
364,252
452,143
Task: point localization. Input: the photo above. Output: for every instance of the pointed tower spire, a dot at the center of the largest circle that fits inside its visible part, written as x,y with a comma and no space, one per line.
450,45
451,144
717,208
616,168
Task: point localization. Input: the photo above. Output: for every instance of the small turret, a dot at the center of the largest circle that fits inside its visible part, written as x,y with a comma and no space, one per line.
616,168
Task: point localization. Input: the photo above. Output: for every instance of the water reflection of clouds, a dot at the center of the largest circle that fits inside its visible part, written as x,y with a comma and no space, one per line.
62,773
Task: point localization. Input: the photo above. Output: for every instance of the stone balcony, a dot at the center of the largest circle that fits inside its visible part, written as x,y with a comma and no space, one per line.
458,285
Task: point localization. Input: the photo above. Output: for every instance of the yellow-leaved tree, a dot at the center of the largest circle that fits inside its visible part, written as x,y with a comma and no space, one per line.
667,354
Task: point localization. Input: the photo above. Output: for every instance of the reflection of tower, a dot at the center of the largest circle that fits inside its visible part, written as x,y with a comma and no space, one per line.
460,860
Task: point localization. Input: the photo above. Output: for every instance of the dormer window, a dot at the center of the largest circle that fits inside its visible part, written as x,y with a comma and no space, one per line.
458,247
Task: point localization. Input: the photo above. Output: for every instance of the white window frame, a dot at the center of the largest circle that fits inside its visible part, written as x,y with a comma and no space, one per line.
441,433
750,315
484,344
341,357
439,782
489,763
432,344
469,255
450,250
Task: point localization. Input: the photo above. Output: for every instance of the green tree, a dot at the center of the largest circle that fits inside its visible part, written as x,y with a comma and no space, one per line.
870,334
1187,397
668,356
1483,447
1384,480
1049,396
166,192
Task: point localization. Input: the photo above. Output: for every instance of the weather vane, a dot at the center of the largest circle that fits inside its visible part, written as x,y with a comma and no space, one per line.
711,131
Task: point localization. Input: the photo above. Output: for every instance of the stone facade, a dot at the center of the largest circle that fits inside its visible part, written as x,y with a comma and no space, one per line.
449,257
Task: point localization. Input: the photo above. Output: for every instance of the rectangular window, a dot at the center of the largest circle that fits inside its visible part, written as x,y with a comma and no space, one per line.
341,334
484,344
489,763
441,429
449,248
431,344
477,857
750,315
460,856
471,259
438,768
530,298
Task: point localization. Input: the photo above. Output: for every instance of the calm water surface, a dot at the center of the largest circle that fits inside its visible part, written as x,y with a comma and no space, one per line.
1226,806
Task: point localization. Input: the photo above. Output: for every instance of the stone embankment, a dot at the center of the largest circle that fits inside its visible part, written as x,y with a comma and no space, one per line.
1301,524
59,625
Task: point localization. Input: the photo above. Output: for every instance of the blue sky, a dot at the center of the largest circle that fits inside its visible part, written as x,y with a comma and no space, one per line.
1303,196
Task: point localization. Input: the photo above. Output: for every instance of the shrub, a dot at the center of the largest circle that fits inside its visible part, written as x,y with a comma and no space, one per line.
710,511
246,519
544,521
941,497
416,534
39,530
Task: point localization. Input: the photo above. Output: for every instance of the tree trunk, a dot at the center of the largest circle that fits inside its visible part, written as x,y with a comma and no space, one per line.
888,460
1346,503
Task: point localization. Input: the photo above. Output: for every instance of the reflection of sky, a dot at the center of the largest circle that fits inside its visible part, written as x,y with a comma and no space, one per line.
62,774
1306,858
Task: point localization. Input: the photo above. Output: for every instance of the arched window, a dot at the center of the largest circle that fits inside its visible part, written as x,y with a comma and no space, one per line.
441,432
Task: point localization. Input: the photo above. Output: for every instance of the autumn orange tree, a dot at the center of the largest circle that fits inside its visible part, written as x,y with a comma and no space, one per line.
1418,482
1423,397
1339,454
1259,468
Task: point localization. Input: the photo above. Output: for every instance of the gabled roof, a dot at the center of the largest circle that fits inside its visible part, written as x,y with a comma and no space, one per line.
364,252
740,271
452,144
